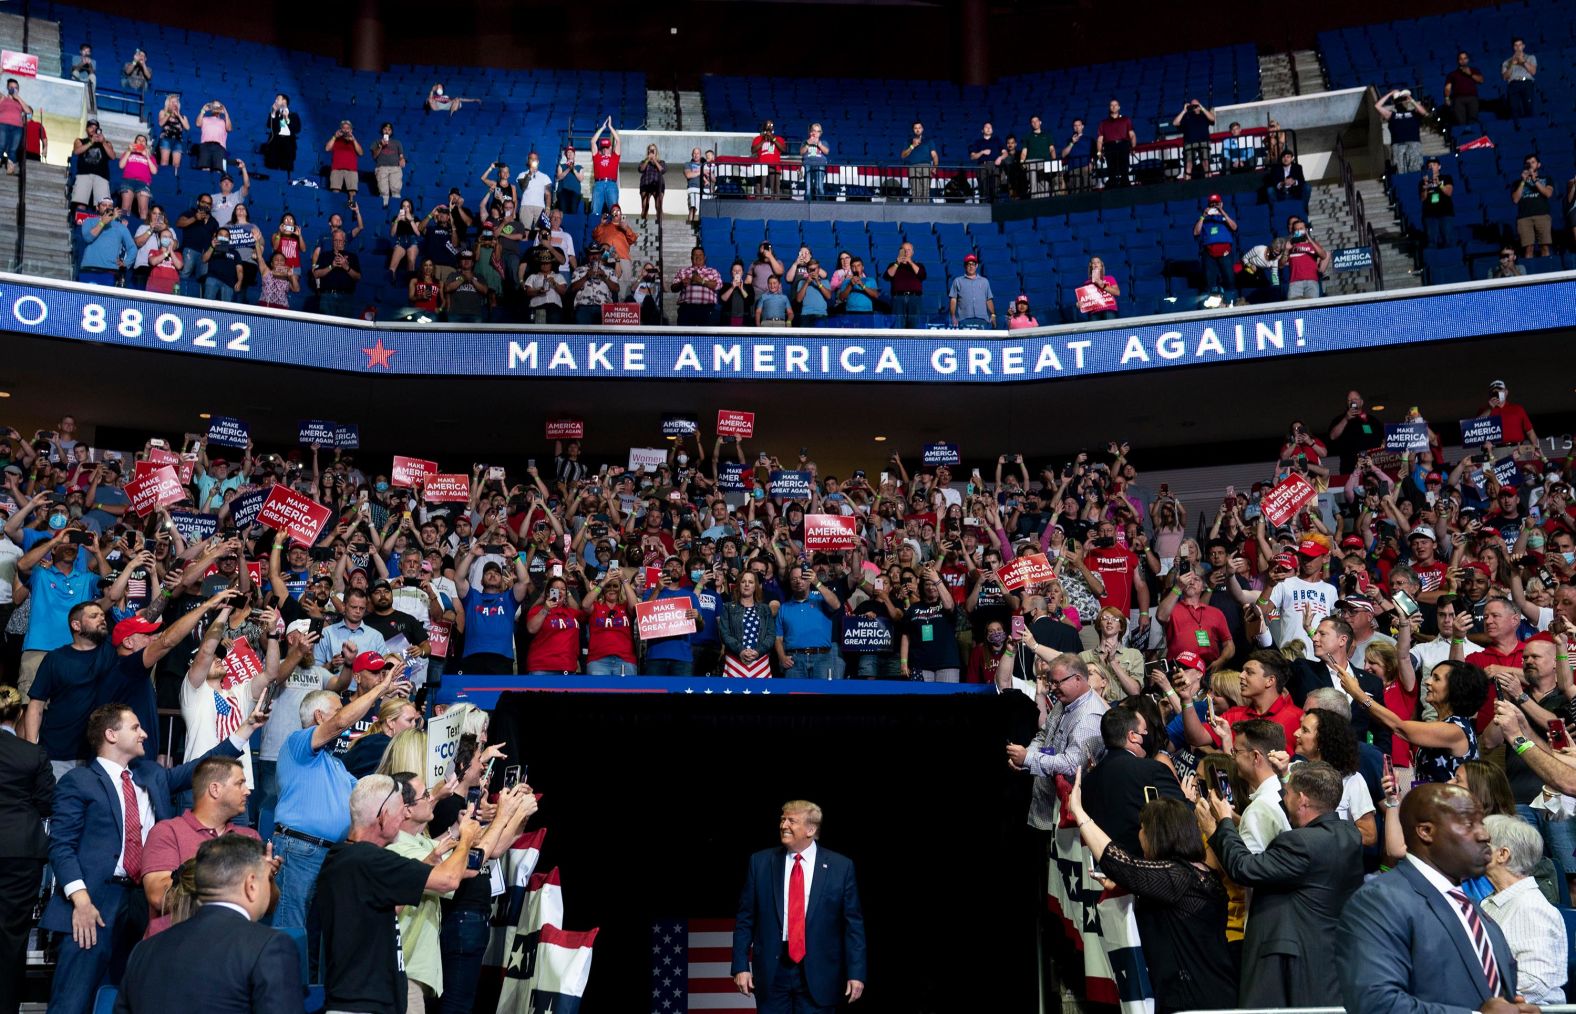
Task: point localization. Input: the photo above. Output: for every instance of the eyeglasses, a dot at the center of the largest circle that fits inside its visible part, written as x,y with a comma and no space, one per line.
1057,684
392,792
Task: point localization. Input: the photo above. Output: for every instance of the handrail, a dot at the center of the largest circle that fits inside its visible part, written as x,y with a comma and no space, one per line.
1375,270
1291,61
1359,212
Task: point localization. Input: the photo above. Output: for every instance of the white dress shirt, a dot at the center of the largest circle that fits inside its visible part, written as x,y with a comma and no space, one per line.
144,810
1441,883
1264,817
1536,935
809,874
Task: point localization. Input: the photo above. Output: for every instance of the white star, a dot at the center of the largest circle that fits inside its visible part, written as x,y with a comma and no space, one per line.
656,949
667,938
689,690
657,928
667,980
667,960
728,691
708,690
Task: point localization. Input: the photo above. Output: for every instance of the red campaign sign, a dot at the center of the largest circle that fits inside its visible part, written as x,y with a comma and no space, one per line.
241,664
735,424
626,314
159,489
1026,570
161,456
20,64
186,467
829,531
664,618
1282,503
566,429
447,489
298,516
438,634
408,471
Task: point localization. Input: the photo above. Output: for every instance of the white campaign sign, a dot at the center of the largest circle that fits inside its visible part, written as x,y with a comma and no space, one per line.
443,736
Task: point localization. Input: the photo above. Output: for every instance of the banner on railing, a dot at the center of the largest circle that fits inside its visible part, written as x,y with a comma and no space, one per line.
129,319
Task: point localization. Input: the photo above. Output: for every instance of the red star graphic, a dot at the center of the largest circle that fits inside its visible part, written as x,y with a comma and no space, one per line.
378,355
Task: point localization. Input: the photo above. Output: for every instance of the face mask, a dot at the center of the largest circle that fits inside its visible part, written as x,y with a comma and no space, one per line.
682,459
381,487
1569,558
1534,542
696,575
57,522
997,638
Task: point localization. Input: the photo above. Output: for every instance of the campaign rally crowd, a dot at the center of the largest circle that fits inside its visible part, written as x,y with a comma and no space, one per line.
1331,708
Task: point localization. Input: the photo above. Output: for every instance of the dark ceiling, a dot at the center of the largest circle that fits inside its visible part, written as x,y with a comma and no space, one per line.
1219,414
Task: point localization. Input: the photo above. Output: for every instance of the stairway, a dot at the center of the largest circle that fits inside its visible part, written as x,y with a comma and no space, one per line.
47,244
43,41
120,129
692,112
678,239
1276,80
1396,264
661,109
1310,72
1330,215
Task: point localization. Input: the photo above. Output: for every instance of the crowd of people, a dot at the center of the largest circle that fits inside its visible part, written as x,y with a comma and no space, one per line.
1296,678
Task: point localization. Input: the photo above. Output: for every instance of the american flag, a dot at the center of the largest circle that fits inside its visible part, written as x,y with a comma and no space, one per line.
227,715
690,962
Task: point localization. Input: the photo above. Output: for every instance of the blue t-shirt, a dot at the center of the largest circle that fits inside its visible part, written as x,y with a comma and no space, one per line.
773,306
675,648
805,624
71,681
692,182
33,536
314,788
709,633
1174,727
813,304
107,496
54,594
988,148
489,623
1081,152
856,300
920,155
210,491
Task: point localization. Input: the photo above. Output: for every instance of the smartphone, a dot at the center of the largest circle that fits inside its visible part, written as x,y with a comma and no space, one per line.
1165,489
558,570
79,537
1151,793
1223,786
266,701
495,472
475,858
1163,665
158,442
1392,795
1559,739
1019,625
1405,603
496,549
880,584
511,776
473,796
321,554
530,463
150,544
315,625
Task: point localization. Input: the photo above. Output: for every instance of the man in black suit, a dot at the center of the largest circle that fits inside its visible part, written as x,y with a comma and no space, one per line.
1118,787
1332,642
27,796
1300,884
221,960
800,927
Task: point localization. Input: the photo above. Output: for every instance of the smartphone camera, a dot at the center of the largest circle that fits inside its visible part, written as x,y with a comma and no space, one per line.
475,858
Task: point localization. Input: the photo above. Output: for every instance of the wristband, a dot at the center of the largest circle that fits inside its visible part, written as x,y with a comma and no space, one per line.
1522,747
1562,658
1177,592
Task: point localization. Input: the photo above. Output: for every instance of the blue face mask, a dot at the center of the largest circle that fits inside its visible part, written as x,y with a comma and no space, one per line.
1569,558
381,487
696,575
57,522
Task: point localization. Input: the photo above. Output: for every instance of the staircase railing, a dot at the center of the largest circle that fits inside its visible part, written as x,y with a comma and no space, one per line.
1358,209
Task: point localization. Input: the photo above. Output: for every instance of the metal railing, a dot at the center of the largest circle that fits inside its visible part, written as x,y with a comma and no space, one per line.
1358,209
1162,161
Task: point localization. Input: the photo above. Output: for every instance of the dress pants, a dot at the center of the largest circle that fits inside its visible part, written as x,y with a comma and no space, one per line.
79,973
788,993
19,882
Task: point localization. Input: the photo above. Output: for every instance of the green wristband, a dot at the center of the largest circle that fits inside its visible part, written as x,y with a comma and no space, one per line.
1522,748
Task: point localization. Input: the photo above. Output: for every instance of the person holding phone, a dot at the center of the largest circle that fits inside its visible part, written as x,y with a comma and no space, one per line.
1182,902
1125,779
554,623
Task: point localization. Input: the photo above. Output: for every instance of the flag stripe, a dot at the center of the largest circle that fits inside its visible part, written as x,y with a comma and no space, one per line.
710,926
721,1002
712,940
692,967
711,953
709,970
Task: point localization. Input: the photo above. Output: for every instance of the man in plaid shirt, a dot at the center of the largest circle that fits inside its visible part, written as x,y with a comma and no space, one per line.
697,287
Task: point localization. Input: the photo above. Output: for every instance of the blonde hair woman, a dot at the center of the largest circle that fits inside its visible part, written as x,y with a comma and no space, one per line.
405,752
1126,664
173,126
394,716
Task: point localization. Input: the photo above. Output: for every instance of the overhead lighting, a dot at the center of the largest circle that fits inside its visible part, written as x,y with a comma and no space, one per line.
204,415
5,394
670,438
1377,408
880,440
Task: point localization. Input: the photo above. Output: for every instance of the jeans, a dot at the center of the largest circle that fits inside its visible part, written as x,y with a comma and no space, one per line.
698,314
193,270
604,194
1441,231
878,666
937,675
815,178
612,665
11,143
1463,109
297,880
1518,95
810,665
263,801
1217,273
339,304
98,276
463,940
214,289
669,667
907,308
1303,290
1407,156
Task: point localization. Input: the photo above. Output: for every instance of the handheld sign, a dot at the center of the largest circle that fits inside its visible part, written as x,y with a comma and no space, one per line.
735,424
443,737
447,489
674,425
409,471
647,457
865,634
566,429
790,485
1282,503
159,489
245,508
621,314
1026,570
194,527
1477,432
733,476
241,664
942,454
347,436
298,516
664,618
1406,436
829,531
316,431
229,431
438,634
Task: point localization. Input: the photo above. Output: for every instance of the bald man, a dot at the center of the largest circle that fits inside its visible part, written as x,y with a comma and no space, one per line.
1412,940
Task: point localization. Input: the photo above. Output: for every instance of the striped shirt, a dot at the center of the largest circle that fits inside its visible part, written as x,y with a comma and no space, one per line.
693,291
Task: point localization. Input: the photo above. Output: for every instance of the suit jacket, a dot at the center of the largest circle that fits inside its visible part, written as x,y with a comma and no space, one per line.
1114,794
1402,950
87,833
1300,884
1308,675
834,924
217,962
27,796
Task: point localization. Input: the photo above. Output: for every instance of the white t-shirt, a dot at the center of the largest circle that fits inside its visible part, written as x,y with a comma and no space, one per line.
1356,801
200,712
10,552
533,193
284,717
1289,597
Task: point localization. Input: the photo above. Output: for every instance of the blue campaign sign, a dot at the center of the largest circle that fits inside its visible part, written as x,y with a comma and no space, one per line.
942,454
1507,473
1477,432
731,476
347,436
316,431
865,634
229,431
674,425
1406,436
245,508
195,527
1351,258
126,318
790,485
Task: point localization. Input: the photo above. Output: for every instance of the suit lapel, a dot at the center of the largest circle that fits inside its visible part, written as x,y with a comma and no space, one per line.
818,886
780,857
112,796
1453,928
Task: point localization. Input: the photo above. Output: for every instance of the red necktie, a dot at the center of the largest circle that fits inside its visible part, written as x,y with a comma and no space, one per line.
796,910
133,846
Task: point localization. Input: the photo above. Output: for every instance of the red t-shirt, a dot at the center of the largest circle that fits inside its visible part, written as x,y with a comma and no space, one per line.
768,148
604,165
1113,130
556,647
1303,264
1283,713
1484,658
344,155
172,842
1513,419
1185,625
1116,567
612,633
1405,705
1431,574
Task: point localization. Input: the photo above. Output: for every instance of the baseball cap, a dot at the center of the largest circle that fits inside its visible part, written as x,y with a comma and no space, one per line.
971,257
1312,548
1421,532
132,626
1214,199
1433,477
218,461
1481,568
370,661
379,583
298,627
1190,660
1362,602
1285,561
1352,542
604,142
1497,385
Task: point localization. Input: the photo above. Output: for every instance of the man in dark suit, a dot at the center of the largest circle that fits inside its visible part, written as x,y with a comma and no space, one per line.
1300,884
103,813
1410,939
27,796
221,960
800,916
1332,642
1118,787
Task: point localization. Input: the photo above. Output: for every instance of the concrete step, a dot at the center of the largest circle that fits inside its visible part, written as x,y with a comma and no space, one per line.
1310,73
1275,75
47,240
661,109
121,129
43,41
692,111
